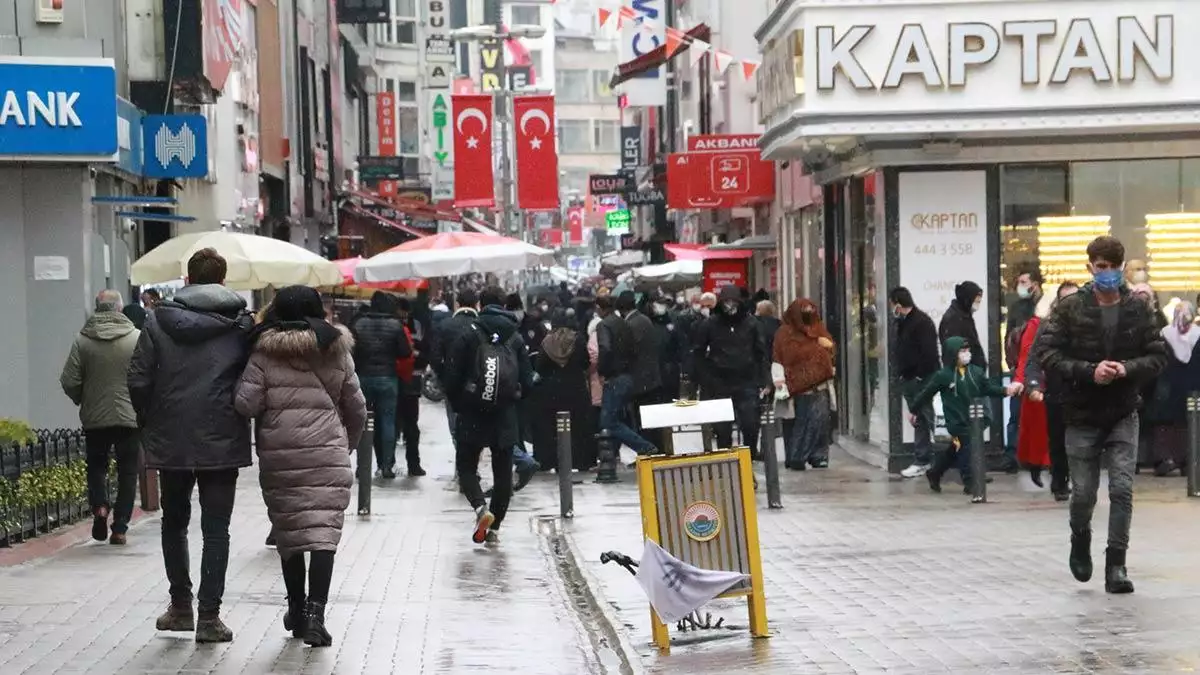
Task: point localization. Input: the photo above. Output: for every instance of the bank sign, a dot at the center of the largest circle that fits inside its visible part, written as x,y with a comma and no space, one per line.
58,108
649,88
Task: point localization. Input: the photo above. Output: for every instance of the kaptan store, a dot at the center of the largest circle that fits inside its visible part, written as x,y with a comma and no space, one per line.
973,140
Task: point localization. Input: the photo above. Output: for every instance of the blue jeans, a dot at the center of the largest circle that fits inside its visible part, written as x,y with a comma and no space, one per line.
522,460
1014,425
381,393
618,391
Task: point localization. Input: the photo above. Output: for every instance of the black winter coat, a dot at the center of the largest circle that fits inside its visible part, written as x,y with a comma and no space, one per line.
730,353
958,321
1073,344
460,364
647,367
445,333
916,346
378,341
183,376
673,348
617,347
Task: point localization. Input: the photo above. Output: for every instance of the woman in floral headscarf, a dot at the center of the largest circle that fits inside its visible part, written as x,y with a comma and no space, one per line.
805,350
1180,380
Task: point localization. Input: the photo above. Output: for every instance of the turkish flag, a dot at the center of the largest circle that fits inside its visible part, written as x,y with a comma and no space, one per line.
537,158
575,224
473,179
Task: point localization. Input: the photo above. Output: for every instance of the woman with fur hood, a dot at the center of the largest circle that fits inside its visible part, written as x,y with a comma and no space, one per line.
301,389
805,350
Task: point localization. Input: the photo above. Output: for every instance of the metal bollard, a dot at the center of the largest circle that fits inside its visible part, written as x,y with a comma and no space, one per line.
610,456
366,456
977,459
566,501
1193,457
770,431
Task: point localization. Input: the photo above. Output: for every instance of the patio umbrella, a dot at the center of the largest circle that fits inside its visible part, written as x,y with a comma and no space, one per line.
349,287
451,253
254,262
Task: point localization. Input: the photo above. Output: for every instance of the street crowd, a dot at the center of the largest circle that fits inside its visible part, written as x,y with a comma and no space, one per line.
182,379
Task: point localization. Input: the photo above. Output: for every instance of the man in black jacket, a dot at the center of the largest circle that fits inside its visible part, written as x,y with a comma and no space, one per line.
731,361
1105,345
379,341
916,360
647,370
410,384
617,358
477,427
959,320
182,380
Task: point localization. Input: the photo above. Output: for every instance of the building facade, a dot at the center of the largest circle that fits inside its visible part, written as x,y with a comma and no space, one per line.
959,140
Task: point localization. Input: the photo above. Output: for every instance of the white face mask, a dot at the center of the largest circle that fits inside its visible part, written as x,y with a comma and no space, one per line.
1140,277
697,307
659,309
975,307
964,358
705,311
1024,291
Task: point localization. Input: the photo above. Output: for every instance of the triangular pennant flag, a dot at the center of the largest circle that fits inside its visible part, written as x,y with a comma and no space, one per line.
723,59
697,51
676,589
749,67
650,24
604,15
674,41
624,13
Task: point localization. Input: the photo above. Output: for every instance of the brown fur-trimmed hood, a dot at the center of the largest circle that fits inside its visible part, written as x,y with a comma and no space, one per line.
289,344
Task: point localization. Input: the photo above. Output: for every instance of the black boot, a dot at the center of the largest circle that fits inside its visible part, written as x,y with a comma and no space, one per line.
315,634
1115,578
1035,475
1081,554
294,619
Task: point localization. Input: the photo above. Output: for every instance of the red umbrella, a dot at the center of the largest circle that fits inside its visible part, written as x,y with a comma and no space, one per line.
347,266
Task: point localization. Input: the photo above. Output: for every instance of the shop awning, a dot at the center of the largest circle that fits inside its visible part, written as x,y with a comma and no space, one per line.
759,242
702,252
411,207
386,222
479,227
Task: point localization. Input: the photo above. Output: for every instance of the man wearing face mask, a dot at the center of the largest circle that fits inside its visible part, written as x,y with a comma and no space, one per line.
647,369
1104,344
959,320
731,361
916,361
1029,293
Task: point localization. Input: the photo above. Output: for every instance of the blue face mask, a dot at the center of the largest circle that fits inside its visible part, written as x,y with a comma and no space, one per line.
1108,280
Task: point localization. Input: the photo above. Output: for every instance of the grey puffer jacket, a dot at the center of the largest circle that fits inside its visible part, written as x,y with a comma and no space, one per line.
94,376
182,377
310,412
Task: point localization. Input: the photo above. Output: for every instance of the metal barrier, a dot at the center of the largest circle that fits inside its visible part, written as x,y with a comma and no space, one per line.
366,456
566,499
1193,449
978,459
50,460
770,432
700,509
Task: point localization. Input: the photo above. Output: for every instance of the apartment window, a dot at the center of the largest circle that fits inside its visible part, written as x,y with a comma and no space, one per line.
408,133
405,9
571,86
402,32
574,136
606,136
411,166
600,80
527,15
406,92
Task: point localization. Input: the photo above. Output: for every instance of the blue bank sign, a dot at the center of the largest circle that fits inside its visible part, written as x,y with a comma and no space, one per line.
58,108
174,146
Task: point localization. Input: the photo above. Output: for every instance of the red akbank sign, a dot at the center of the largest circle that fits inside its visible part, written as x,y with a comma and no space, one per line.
719,171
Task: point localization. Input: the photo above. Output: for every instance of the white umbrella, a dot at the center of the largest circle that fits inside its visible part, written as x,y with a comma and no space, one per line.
449,254
254,262
686,271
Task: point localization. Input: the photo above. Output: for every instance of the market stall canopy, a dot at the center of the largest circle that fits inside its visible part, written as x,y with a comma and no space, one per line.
350,287
449,254
759,242
619,261
680,271
702,252
254,262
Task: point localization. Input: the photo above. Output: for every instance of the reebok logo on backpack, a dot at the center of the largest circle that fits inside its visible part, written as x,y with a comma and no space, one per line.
494,382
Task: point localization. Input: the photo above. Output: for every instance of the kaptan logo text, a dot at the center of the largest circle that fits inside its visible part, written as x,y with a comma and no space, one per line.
956,222
1077,52
491,369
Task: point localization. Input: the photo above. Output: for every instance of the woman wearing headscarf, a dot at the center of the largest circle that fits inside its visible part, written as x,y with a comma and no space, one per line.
301,390
1043,390
805,349
1181,379
563,387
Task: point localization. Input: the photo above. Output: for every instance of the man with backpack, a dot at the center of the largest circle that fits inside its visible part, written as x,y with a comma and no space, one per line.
487,372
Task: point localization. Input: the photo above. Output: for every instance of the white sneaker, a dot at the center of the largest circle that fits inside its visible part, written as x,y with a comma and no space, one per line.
915,471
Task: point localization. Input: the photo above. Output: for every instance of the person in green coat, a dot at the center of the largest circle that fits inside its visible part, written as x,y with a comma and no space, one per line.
960,383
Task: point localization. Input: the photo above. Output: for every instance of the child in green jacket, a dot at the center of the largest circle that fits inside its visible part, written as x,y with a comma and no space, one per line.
960,384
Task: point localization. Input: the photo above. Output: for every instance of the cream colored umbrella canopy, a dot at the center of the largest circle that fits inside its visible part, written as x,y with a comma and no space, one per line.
254,262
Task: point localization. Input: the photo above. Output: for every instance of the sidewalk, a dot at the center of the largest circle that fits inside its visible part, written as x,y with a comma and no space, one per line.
411,594
867,574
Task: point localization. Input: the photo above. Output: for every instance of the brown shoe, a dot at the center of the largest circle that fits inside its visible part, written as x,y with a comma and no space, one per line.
117,539
178,618
210,628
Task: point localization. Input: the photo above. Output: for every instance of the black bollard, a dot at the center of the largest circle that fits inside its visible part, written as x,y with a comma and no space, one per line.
1193,458
610,456
366,455
977,459
770,431
566,501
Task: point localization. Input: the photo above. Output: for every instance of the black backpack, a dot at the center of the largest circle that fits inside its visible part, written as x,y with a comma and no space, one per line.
495,381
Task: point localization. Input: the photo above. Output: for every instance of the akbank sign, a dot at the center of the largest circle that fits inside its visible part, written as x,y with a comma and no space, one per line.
637,39
58,109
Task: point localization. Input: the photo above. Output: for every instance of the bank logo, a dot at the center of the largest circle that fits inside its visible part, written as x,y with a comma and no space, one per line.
179,146
702,521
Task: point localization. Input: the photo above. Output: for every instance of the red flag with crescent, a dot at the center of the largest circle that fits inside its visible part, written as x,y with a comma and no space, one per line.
537,158
473,178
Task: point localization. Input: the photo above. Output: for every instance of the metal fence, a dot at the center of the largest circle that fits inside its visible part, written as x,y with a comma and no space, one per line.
53,463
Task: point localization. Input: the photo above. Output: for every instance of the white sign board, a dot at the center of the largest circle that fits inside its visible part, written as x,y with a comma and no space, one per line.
637,38
439,48
51,268
943,240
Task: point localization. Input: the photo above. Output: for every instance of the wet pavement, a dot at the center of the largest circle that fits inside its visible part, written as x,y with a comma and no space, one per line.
411,594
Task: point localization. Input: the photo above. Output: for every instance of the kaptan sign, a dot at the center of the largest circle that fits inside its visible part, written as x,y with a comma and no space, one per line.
1077,48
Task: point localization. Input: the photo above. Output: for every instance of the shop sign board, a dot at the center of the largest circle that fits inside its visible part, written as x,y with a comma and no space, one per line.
617,221
174,146
943,238
631,147
721,272
719,179
491,65
648,89
777,83
610,184
61,107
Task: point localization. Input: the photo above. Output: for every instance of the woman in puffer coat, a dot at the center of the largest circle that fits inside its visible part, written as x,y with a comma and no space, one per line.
301,389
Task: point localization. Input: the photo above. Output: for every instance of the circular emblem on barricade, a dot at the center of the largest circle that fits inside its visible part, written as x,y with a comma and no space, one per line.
702,521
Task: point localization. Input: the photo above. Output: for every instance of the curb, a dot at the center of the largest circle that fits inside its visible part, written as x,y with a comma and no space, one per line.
58,541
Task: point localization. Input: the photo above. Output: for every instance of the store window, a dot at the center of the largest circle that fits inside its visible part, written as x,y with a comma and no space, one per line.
865,329
526,15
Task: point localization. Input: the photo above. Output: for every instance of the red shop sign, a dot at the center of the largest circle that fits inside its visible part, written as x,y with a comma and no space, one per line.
719,273
723,174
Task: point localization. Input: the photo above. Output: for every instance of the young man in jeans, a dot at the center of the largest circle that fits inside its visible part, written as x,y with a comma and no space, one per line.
916,361
1104,344
182,380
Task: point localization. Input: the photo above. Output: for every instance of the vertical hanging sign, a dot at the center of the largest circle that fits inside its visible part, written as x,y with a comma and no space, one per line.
437,57
385,119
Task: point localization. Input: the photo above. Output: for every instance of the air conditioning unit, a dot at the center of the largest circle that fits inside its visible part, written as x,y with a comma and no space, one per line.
49,11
